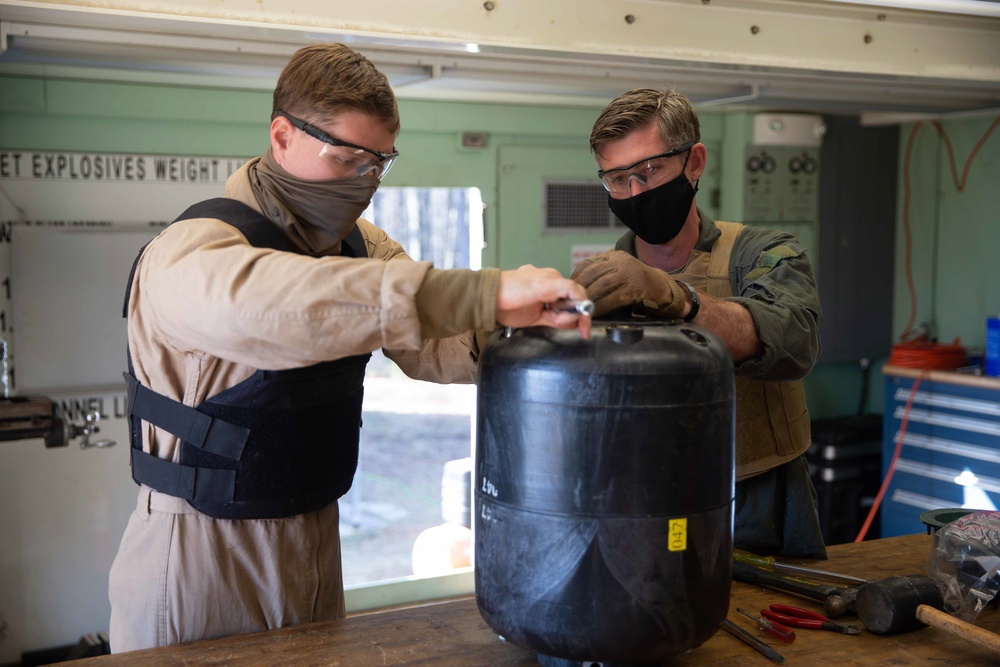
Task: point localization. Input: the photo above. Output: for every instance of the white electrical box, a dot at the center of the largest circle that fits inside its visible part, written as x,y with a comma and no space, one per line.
781,174
789,129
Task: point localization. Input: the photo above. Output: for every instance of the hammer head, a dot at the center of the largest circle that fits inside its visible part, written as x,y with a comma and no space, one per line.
890,605
841,603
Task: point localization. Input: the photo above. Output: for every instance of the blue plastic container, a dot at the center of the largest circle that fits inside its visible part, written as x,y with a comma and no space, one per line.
992,362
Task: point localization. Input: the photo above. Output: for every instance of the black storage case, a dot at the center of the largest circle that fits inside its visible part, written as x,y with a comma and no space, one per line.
845,463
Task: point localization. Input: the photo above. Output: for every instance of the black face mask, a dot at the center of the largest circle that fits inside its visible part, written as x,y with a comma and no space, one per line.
657,216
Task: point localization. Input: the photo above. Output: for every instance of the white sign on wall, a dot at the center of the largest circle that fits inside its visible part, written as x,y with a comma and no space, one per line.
71,224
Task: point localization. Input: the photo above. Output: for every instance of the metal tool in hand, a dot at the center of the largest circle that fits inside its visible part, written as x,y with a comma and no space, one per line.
776,630
750,640
768,563
803,618
584,307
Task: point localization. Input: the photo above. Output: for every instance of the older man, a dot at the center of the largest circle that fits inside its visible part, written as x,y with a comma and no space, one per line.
751,287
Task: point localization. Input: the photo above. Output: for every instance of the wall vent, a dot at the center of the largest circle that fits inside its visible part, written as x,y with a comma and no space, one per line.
575,205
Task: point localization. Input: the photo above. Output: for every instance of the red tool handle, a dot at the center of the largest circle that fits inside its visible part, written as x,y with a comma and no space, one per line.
808,623
788,610
777,630
774,629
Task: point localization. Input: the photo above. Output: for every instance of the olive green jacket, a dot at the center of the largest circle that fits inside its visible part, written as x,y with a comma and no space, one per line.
768,272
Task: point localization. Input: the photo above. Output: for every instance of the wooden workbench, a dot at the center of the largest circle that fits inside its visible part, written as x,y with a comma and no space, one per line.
453,634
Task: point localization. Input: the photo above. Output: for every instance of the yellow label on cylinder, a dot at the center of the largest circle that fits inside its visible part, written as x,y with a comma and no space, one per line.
678,535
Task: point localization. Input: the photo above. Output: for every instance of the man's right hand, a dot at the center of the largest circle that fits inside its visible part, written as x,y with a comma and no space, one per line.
616,279
524,293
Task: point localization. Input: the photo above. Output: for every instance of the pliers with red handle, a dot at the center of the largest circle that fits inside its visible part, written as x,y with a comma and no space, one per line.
803,618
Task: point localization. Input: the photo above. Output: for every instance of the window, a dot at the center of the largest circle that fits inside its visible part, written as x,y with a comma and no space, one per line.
412,429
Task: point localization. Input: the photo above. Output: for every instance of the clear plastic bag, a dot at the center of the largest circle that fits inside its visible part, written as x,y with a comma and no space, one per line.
965,563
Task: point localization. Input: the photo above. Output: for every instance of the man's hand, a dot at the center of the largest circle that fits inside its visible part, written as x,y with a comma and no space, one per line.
524,293
616,279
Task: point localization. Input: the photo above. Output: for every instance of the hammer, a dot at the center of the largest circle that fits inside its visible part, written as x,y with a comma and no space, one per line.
838,601
898,604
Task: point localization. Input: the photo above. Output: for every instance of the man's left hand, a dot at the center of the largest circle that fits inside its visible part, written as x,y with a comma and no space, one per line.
616,279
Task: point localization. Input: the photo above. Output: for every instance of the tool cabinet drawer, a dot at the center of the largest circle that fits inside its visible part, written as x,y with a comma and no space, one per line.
950,455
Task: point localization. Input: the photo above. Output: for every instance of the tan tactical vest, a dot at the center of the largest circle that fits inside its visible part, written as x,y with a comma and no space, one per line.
772,422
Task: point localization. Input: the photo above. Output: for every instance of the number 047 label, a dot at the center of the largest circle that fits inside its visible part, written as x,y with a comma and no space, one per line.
677,538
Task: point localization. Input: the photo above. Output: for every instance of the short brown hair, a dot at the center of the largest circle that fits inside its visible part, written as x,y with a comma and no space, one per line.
323,80
637,108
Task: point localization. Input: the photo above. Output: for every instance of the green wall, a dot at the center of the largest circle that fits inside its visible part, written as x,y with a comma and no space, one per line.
955,235
430,143
950,258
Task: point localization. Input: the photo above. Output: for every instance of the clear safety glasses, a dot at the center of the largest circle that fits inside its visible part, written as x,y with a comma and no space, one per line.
651,171
351,159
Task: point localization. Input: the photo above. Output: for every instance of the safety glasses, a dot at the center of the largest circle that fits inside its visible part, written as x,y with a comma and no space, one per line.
350,158
650,170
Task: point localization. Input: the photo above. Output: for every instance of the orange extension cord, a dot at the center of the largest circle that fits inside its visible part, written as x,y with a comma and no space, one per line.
928,356
921,353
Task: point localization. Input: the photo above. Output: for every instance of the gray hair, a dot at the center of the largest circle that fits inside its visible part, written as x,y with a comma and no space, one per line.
635,109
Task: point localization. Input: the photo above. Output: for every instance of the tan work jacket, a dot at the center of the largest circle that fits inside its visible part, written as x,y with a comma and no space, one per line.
206,309
772,422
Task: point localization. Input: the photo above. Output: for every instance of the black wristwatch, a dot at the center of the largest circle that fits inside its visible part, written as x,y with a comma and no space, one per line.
695,301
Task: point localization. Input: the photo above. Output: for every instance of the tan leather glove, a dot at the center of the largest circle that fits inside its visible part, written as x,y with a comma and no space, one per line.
616,279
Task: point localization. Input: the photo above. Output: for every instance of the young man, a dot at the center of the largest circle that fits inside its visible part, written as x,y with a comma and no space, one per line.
751,287
250,321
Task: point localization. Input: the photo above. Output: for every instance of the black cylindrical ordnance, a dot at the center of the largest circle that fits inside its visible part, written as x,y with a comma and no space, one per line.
604,490
890,605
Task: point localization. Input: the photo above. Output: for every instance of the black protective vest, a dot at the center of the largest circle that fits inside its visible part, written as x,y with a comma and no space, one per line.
277,444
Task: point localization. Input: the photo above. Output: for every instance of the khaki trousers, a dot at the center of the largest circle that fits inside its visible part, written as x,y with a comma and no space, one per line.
181,575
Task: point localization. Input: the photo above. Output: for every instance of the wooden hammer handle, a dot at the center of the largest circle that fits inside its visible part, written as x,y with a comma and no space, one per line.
958,627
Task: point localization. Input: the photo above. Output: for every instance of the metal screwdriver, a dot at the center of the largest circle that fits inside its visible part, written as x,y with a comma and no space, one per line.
774,629
769,564
751,641
584,307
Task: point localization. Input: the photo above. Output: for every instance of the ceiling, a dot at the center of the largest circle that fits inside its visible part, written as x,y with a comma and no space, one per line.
815,54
